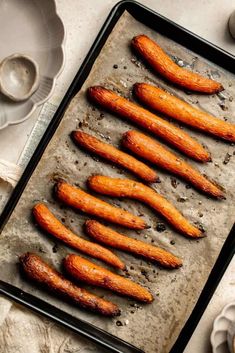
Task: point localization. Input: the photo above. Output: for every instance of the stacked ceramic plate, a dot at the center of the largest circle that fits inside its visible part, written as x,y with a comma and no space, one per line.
223,334
31,56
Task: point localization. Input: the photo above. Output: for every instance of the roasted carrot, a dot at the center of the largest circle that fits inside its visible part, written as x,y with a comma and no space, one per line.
157,58
114,155
156,125
154,152
88,272
48,222
119,241
134,190
177,109
40,272
87,203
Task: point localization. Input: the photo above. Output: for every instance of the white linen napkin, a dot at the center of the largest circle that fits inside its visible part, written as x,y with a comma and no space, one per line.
10,172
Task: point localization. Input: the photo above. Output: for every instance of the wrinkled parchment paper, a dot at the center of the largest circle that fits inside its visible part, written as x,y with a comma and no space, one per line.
154,327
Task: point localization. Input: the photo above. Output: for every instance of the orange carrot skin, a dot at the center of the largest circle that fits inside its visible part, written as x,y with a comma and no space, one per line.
114,155
165,66
40,272
132,189
87,203
88,272
154,152
47,221
177,109
116,240
151,122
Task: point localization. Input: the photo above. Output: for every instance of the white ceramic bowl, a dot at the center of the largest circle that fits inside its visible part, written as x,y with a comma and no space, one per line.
38,32
222,337
19,77
231,24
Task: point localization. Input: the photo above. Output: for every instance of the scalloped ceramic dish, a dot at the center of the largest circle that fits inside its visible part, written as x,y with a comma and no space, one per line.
33,28
222,337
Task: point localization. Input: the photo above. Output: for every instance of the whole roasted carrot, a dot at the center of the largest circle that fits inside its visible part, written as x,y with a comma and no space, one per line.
156,125
48,222
40,272
114,155
116,240
88,272
134,190
165,66
177,109
154,152
87,203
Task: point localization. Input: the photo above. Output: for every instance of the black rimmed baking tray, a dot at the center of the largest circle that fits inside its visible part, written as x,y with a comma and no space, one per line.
175,34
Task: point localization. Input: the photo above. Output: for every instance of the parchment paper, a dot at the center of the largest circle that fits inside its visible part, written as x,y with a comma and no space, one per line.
154,327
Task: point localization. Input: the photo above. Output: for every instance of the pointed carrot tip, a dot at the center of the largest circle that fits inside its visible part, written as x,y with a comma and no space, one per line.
221,88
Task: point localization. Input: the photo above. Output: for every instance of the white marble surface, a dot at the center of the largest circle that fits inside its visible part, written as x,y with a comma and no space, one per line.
82,19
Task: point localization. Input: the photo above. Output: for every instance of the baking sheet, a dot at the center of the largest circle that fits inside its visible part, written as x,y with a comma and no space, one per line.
152,327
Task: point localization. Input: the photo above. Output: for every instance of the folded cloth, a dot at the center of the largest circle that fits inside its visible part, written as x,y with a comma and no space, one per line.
5,306
10,172
22,331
